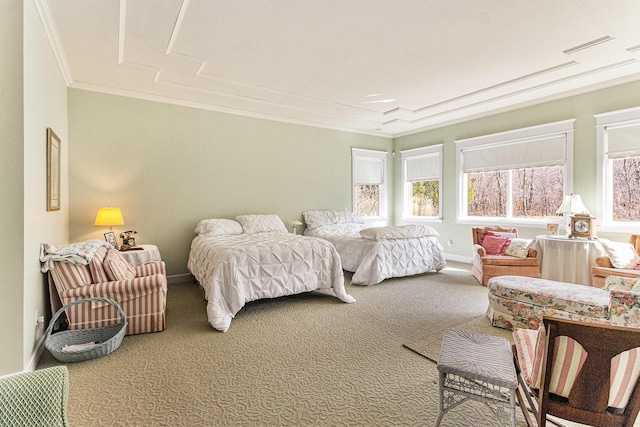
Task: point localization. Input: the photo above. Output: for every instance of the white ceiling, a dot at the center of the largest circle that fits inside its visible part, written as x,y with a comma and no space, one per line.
382,67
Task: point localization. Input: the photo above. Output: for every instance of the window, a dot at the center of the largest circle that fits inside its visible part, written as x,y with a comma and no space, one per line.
517,175
369,181
618,135
422,177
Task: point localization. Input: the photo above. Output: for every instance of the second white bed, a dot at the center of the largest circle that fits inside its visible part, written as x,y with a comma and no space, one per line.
386,252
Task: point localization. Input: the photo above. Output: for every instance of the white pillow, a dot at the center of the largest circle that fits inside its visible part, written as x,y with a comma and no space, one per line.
518,247
622,255
315,219
398,232
252,224
218,227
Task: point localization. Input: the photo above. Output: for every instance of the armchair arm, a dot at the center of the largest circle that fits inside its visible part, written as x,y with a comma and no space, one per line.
478,249
118,291
624,308
604,261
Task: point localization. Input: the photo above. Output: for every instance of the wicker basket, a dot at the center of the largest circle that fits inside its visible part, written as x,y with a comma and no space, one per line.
108,337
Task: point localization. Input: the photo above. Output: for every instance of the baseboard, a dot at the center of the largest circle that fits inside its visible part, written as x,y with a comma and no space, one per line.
36,355
180,278
459,258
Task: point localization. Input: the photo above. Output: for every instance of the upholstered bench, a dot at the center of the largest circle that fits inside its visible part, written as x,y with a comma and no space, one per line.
521,302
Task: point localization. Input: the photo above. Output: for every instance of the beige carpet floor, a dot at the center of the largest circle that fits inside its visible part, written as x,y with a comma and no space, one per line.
305,360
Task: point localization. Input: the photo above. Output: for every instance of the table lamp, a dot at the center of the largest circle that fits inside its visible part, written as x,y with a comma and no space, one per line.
108,217
571,205
294,224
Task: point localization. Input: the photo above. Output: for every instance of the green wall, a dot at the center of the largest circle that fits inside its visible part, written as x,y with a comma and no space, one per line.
167,167
579,107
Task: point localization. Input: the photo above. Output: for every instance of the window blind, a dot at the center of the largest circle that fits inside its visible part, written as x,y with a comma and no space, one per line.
423,168
623,141
546,151
367,170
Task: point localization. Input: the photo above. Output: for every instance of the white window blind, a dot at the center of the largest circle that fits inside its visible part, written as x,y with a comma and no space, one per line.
367,170
537,152
423,168
623,141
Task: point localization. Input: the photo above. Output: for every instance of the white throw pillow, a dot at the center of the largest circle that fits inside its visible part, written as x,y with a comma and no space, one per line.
518,247
622,255
218,227
252,224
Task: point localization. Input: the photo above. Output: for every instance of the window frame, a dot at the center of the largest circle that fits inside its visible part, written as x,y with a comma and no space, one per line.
414,154
375,155
533,133
604,187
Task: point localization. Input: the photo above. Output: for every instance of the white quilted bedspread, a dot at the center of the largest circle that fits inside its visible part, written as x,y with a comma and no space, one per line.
372,261
235,269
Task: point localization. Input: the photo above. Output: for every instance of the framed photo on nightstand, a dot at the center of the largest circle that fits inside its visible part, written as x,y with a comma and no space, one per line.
553,229
110,237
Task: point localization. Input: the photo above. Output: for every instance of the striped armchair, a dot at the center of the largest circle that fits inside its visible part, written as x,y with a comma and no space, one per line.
141,292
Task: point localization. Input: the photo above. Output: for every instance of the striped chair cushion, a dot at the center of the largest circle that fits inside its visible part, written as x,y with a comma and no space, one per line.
116,267
568,359
96,265
625,368
530,345
70,276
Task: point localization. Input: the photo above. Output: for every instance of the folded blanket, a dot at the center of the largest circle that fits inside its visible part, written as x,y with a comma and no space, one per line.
75,253
398,232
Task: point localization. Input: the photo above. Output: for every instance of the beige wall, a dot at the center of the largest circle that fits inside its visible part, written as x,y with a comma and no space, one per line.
580,107
45,102
168,166
33,98
11,189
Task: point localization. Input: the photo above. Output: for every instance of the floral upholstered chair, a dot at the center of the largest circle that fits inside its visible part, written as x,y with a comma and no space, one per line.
498,251
622,259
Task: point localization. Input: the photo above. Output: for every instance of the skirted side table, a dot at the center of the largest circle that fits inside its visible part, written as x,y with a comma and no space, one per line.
144,255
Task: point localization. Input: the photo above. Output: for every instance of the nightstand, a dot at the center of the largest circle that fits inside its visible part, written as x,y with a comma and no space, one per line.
145,255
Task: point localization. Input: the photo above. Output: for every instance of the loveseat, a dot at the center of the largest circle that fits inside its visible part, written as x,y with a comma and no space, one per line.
140,291
521,302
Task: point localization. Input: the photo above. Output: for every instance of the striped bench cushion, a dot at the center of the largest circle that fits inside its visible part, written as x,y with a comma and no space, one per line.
625,368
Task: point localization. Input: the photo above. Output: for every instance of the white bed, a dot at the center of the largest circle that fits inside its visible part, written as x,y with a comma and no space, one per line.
254,258
375,254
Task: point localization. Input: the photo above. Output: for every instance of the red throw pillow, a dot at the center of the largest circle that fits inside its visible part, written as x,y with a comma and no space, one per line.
494,244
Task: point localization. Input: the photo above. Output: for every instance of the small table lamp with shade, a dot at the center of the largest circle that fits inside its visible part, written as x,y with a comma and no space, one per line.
571,205
108,217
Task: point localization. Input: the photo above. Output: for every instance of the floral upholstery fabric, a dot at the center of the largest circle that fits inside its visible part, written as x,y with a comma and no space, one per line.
521,302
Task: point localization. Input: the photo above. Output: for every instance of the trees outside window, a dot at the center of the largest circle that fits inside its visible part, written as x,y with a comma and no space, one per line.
368,171
422,176
618,137
515,175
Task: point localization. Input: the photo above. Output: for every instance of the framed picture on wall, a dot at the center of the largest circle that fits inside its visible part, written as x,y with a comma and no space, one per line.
54,150
110,237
